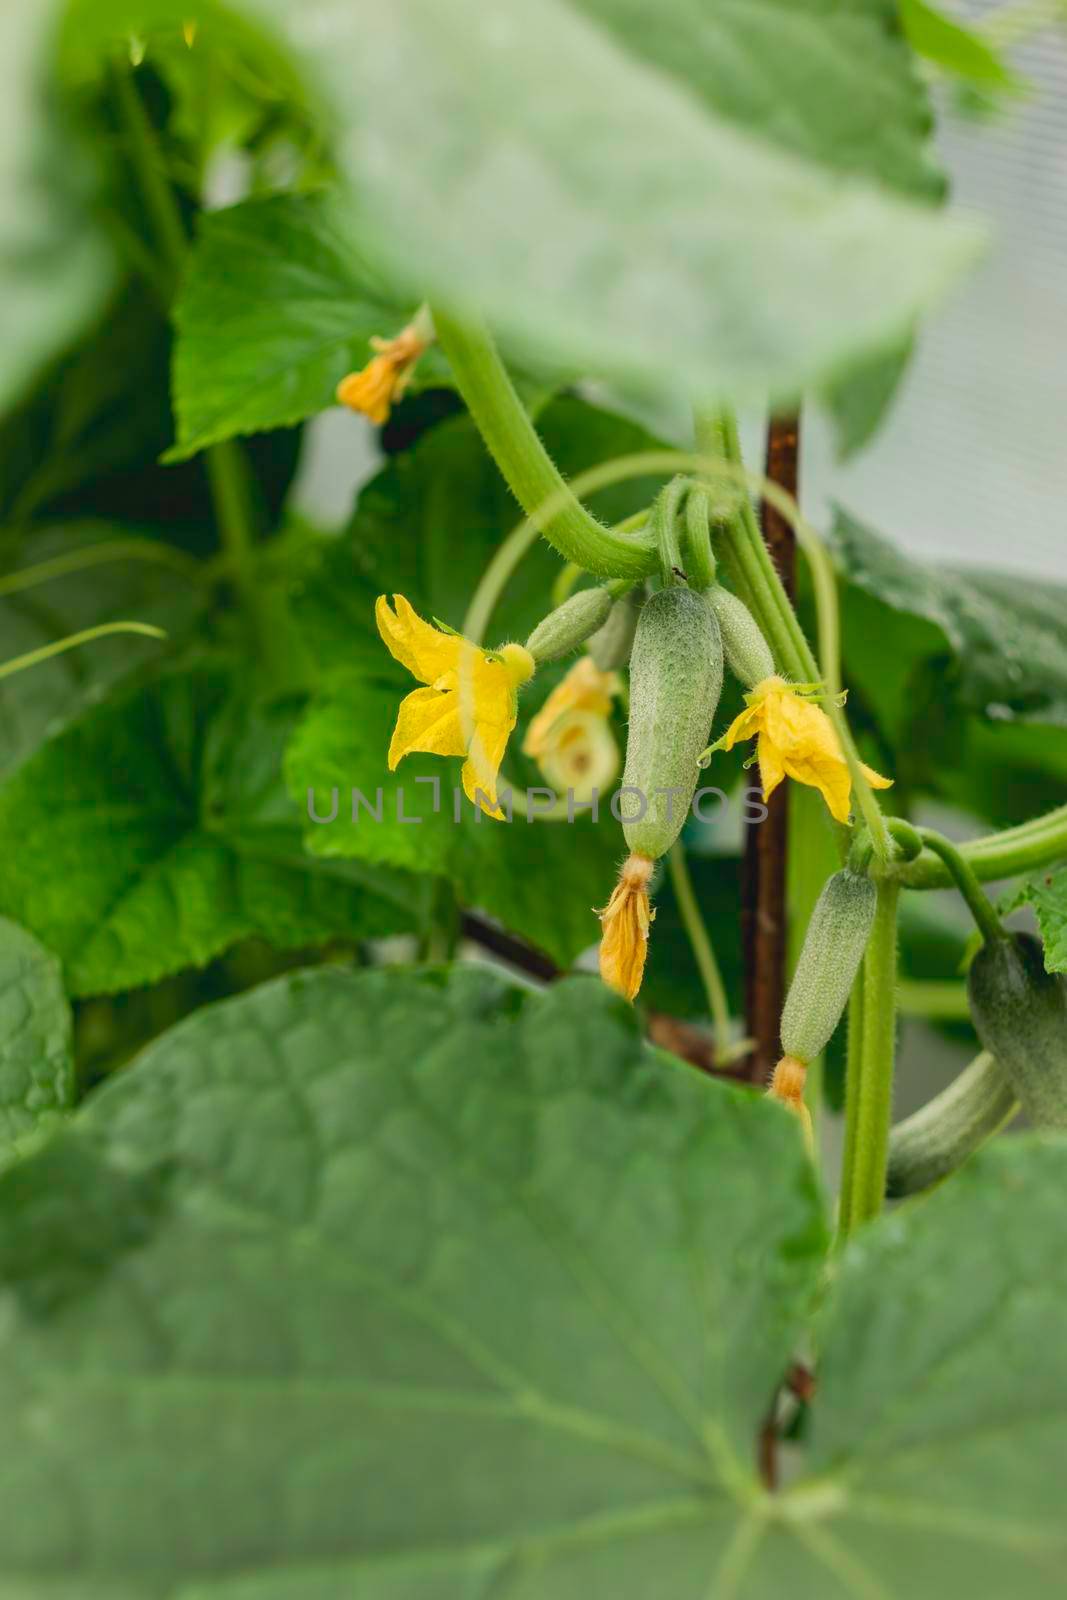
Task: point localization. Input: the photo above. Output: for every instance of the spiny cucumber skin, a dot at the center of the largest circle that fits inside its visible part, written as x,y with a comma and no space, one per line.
747,652
612,644
833,949
570,625
939,1137
675,683
1020,1013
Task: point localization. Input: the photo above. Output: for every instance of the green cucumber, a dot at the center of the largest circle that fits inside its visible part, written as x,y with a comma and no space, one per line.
748,655
939,1137
834,943
1020,1013
675,683
570,625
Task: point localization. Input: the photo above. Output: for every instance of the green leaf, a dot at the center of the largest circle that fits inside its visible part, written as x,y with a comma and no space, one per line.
1001,635
871,117
937,1431
959,50
155,832
36,1059
55,270
858,402
381,1287
1047,894
622,223
286,279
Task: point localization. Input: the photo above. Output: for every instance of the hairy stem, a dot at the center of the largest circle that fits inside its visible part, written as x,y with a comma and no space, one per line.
869,1086
986,919
995,855
512,441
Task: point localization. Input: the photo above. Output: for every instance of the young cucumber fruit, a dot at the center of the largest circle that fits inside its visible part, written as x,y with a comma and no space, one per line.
570,625
1020,1013
837,936
675,683
940,1136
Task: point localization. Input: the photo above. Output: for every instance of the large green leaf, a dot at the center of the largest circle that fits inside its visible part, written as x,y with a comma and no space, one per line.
395,1287
55,269
156,831
937,1435
36,1060
961,673
285,277
380,1287
1000,637
832,83
554,172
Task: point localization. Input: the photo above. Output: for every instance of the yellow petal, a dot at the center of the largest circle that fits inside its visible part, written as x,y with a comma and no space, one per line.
427,721
625,922
426,652
585,688
744,726
771,770
482,765
875,779
373,389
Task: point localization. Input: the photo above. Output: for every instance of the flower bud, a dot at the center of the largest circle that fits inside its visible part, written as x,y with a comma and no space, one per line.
570,625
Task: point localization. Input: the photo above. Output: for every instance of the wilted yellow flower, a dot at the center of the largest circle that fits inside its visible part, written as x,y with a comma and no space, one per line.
383,380
581,757
585,688
570,738
787,1085
796,739
625,922
469,706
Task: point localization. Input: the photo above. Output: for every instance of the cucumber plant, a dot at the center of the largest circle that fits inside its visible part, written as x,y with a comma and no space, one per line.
364,604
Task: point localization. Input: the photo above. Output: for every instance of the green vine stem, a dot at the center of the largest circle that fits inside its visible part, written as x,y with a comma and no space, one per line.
853,1071
227,468
513,442
995,855
752,571
986,919
869,1085
59,647
97,555
726,1049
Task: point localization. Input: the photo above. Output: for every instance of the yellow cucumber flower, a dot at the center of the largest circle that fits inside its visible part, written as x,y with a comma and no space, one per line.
625,922
469,706
570,738
796,739
585,688
383,380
